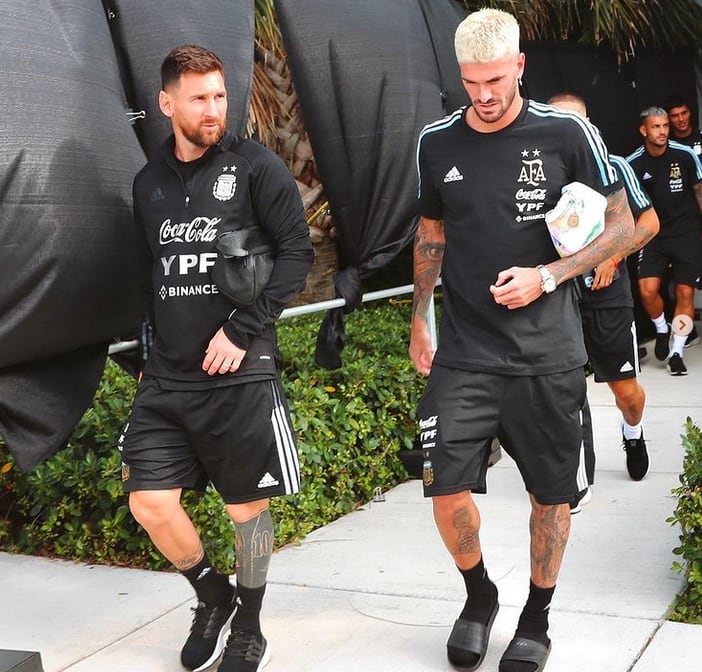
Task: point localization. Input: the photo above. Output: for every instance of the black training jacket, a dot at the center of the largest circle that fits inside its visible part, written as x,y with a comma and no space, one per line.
236,184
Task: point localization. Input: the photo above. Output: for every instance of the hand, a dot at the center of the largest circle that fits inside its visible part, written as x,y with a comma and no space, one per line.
222,356
421,351
604,274
517,287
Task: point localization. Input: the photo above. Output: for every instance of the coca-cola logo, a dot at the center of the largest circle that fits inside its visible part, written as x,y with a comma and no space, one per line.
530,194
199,230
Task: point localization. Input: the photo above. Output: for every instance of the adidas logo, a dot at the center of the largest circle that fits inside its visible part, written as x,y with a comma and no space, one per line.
453,175
204,573
647,176
267,481
157,195
626,368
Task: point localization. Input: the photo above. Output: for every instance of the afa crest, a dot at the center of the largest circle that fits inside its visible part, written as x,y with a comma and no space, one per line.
428,473
224,187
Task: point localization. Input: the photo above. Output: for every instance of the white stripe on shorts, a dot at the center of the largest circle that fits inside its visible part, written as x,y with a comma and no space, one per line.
635,345
581,477
285,443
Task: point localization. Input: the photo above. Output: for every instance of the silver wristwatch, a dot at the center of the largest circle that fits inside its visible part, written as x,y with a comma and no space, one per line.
548,282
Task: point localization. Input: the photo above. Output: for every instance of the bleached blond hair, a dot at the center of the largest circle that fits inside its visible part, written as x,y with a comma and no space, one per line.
485,36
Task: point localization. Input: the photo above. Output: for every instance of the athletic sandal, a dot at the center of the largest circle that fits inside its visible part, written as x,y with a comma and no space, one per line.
523,650
469,639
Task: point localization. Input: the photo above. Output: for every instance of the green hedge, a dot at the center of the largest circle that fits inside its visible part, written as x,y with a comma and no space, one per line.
349,425
688,516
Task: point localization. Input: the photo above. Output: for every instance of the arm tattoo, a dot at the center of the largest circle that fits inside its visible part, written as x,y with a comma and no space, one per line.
647,227
188,561
617,236
429,244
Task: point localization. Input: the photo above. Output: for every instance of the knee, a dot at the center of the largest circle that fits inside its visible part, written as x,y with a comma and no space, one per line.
545,511
152,509
448,507
628,393
647,293
684,294
241,513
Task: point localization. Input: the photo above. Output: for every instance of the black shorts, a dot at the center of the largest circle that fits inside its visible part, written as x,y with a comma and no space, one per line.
683,253
536,419
610,341
239,437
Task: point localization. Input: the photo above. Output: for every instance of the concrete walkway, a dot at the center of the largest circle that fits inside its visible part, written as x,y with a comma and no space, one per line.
376,592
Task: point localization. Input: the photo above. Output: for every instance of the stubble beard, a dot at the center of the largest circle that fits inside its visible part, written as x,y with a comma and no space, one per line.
205,138
495,116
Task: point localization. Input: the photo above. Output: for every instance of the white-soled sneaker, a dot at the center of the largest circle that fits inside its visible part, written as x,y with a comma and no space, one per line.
693,338
676,366
207,635
246,651
582,498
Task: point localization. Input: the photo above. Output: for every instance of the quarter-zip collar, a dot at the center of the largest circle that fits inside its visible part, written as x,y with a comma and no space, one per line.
167,152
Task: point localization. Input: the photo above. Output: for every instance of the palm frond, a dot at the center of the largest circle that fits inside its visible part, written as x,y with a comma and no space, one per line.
623,25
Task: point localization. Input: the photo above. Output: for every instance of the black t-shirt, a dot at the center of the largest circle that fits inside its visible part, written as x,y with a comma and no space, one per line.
492,191
693,140
618,294
668,179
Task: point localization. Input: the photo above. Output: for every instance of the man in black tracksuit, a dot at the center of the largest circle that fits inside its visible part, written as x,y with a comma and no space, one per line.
671,174
210,407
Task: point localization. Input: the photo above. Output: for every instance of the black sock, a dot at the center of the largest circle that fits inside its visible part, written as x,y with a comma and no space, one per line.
210,586
247,616
533,624
482,593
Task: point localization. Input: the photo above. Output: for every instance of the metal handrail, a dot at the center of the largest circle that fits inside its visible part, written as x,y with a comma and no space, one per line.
320,306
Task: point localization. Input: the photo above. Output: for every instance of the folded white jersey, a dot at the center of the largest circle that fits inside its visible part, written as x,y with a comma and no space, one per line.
577,219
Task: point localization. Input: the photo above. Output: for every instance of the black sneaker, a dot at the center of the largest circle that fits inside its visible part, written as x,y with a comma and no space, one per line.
692,338
246,651
636,457
582,498
207,634
676,366
662,348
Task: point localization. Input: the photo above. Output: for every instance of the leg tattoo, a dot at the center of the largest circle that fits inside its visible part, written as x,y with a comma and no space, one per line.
188,561
254,547
467,529
549,526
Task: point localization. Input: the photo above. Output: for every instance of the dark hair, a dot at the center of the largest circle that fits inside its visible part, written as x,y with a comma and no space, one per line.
188,58
674,101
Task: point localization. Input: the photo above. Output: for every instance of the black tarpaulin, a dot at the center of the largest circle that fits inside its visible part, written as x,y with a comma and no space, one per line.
68,156
368,79
46,399
144,33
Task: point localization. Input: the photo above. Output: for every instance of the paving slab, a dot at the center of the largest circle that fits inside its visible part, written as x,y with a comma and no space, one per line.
676,647
67,611
375,591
